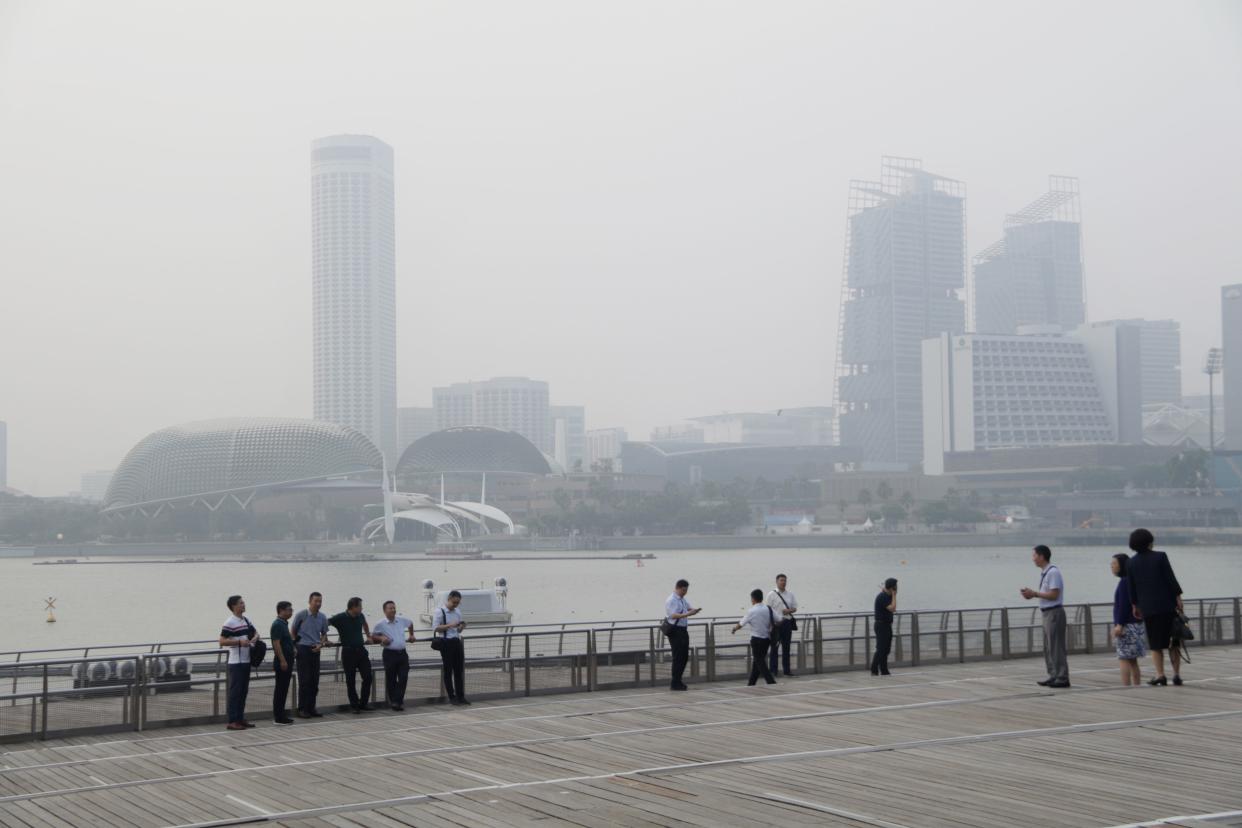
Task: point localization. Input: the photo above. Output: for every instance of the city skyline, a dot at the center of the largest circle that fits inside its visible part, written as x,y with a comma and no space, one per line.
188,272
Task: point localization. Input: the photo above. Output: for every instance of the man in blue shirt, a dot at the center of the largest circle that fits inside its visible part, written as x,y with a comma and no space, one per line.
1051,595
310,635
676,611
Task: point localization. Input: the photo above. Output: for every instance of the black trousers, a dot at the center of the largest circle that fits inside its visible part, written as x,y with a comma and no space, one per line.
759,661
357,660
281,692
396,674
883,645
308,678
679,642
453,659
780,641
238,687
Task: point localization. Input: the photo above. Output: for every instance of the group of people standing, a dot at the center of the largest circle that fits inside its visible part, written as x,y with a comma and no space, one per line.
300,644
1147,604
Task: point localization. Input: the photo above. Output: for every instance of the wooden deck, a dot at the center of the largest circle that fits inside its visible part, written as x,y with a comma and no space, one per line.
961,745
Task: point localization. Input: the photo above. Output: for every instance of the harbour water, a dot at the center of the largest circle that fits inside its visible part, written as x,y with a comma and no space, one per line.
145,601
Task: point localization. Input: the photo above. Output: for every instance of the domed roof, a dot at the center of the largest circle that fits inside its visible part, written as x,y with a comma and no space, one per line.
225,455
473,449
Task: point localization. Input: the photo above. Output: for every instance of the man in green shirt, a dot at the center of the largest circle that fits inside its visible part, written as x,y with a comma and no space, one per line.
353,630
282,646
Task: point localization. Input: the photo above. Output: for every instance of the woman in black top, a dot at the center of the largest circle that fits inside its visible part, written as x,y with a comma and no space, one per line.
1155,595
885,606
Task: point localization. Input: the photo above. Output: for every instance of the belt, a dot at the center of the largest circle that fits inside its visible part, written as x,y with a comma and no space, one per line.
1049,609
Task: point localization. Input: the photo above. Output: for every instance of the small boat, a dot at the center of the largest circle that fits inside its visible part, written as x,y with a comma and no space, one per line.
478,606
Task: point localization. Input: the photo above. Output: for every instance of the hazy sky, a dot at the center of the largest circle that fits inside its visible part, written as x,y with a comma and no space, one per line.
641,202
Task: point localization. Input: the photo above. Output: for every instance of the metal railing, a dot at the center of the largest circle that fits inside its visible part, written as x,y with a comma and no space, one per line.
105,692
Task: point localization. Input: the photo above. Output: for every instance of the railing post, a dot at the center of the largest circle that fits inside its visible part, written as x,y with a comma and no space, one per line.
914,639
43,717
710,652
652,652
592,663
1005,651
526,662
866,641
139,688
1202,625
1089,632
961,639
819,645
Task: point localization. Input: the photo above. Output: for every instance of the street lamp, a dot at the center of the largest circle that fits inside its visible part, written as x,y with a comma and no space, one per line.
1211,367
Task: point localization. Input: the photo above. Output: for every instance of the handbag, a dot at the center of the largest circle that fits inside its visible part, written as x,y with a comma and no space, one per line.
793,622
437,641
1181,630
258,650
667,627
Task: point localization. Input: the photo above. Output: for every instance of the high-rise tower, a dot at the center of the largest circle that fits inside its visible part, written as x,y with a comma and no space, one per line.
904,276
354,286
1034,274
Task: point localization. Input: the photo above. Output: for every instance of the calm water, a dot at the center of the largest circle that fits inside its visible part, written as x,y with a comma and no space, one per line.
180,602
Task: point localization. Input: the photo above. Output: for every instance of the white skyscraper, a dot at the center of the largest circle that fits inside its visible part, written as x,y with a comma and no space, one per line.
354,286
509,403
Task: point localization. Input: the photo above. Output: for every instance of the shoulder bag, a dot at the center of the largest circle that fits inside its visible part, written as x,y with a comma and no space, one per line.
258,650
437,640
793,622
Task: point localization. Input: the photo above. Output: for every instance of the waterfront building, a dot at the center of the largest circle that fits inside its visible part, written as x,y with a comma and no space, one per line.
723,463
353,247
1231,372
1040,389
904,277
604,444
509,403
1034,274
1160,358
568,429
683,433
414,422
811,426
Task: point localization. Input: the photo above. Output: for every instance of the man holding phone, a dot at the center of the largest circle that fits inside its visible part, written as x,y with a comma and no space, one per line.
676,611
885,609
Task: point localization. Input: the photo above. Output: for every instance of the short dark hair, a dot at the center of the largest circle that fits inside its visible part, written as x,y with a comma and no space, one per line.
1123,561
314,595
756,595
353,602
1141,540
782,575
1043,552
386,603
454,594
234,600
682,582
281,606
889,583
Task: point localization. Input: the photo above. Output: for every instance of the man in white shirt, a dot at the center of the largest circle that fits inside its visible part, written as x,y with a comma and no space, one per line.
237,635
677,612
394,632
784,605
759,618
448,621
1051,595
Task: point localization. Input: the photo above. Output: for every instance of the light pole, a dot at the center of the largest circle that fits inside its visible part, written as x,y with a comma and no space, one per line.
1211,367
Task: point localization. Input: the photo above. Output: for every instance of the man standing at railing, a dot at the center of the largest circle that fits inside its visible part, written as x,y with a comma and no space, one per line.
236,636
885,609
353,631
394,632
282,661
1051,595
310,632
784,605
676,612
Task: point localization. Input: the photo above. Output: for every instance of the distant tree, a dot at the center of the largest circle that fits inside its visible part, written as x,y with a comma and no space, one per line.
893,513
1149,477
864,497
884,491
562,499
1188,470
842,505
934,512
906,500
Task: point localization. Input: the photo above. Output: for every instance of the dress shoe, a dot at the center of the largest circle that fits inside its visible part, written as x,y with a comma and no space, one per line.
284,721
1159,681
464,700
365,708
875,672
678,687
1044,683
398,707
1059,685
247,724
235,726
455,702
1177,680
885,673
315,714
791,675
302,714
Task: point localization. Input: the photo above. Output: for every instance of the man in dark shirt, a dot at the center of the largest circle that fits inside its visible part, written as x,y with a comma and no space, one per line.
353,629
282,663
885,608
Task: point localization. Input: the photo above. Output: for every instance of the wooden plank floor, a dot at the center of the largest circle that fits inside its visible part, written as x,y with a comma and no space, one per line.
957,745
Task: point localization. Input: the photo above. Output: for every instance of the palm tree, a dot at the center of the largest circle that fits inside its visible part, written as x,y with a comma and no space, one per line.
907,500
864,497
884,490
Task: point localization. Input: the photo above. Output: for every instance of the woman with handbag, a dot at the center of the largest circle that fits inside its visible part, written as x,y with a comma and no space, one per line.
1156,598
1127,630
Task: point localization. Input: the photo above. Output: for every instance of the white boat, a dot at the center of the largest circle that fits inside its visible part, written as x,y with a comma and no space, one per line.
479,606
